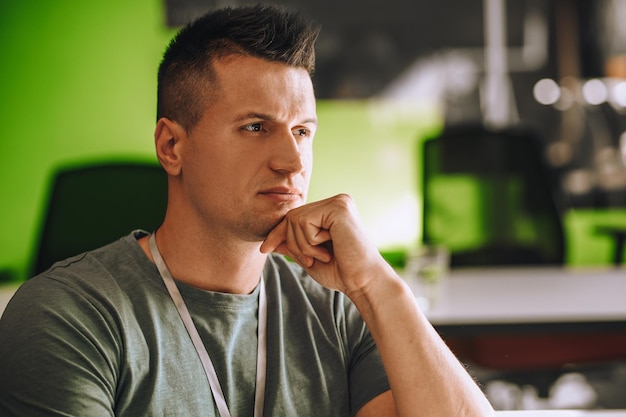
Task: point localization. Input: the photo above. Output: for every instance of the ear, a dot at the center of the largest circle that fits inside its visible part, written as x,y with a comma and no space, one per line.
167,141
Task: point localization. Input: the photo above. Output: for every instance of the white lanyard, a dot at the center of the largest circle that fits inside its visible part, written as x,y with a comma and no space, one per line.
209,369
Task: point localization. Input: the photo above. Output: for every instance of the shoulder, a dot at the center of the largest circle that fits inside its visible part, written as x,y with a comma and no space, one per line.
122,256
76,316
110,269
92,283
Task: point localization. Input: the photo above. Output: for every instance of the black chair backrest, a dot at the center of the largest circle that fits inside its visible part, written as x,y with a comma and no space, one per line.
488,196
90,206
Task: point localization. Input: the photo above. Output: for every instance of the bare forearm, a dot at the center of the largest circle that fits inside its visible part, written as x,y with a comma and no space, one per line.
426,379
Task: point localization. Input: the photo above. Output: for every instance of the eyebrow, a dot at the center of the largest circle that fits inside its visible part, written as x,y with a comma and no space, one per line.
267,117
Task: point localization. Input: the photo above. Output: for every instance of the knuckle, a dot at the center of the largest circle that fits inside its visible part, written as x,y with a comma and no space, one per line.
345,201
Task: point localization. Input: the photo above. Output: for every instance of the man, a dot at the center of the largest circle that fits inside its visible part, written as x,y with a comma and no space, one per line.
198,318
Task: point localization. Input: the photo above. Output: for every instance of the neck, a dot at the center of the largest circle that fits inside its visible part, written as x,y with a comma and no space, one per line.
214,266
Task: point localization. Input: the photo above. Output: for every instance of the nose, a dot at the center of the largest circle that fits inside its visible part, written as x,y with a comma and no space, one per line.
287,155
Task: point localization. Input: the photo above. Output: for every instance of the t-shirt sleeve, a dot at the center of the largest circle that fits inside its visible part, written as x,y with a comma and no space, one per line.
57,355
367,375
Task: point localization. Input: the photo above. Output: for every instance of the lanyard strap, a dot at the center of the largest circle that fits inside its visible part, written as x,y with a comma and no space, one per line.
209,369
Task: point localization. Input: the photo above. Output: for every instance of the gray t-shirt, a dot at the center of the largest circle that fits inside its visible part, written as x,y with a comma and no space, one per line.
98,335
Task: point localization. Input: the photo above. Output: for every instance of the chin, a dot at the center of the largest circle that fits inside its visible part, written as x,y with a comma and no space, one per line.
260,228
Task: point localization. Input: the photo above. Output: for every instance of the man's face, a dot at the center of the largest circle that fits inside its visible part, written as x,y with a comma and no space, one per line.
248,161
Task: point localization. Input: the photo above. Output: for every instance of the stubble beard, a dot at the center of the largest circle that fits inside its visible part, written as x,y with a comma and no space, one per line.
258,228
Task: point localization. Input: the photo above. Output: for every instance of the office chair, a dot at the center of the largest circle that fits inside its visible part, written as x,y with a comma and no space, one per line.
488,197
95,204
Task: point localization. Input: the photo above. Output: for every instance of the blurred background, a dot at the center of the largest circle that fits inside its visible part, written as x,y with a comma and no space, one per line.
78,84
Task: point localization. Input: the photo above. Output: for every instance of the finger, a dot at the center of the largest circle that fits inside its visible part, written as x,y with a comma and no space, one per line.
297,245
283,250
282,240
318,247
316,235
275,238
311,240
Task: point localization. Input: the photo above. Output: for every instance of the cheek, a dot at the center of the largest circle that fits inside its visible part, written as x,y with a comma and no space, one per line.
306,154
307,160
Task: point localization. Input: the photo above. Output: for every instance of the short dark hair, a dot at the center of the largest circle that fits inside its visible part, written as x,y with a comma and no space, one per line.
186,77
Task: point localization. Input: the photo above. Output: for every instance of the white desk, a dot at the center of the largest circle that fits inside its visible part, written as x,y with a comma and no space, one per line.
6,292
531,295
533,318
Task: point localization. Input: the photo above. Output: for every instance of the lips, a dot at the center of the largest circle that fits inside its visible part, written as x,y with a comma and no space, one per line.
282,193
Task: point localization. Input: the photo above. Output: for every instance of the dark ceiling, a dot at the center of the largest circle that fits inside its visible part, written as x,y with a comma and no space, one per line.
367,43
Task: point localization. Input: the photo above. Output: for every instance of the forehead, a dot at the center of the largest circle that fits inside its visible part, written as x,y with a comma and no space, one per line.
249,80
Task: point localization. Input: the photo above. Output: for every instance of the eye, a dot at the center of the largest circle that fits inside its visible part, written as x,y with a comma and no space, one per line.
302,132
253,127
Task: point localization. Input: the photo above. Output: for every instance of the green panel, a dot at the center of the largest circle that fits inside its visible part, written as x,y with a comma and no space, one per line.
456,225
586,246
